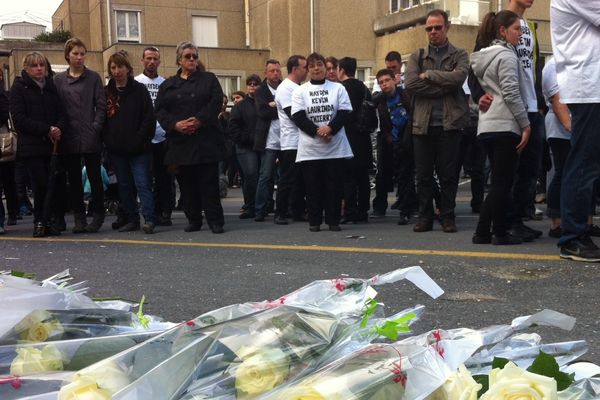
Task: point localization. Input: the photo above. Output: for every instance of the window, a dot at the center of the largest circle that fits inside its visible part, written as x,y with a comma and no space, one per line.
394,6
128,26
204,31
229,84
409,3
363,74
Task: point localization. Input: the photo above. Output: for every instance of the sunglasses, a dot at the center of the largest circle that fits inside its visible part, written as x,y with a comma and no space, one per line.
252,84
434,28
191,56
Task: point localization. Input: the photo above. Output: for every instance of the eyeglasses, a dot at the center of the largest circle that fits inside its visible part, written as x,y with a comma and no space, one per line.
434,28
191,56
252,84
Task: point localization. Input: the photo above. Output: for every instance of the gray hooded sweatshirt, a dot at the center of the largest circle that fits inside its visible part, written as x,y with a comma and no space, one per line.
498,71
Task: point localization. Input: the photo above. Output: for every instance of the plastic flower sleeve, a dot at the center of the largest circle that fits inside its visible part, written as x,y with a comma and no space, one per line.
38,387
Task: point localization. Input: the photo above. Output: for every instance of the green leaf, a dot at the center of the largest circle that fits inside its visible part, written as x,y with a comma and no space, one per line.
144,320
21,274
546,365
391,329
369,309
499,362
484,380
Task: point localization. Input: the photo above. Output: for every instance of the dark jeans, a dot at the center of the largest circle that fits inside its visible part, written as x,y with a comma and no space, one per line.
501,149
290,188
249,161
324,190
528,170
22,182
472,157
38,169
357,190
436,151
264,189
404,173
560,150
384,177
92,162
9,187
134,174
581,171
199,184
164,193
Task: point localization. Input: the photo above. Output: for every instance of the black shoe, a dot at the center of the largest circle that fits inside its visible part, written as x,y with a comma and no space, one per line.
481,239
51,230
536,233
247,215
11,220
396,205
506,239
314,228
377,214
217,229
60,223
523,233
193,227
39,230
347,220
423,226
449,225
96,223
300,218
130,227
280,220
80,224
148,228
334,228
163,220
580,249
259,218
593,231
555,232
403,220
118,224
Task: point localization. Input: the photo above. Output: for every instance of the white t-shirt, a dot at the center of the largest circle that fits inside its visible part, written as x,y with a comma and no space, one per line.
554,129
576,45
321,103
273,141
288,131
152,86
525,52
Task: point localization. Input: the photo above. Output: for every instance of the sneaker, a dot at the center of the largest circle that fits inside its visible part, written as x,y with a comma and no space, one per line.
217,229
449,225
536,233
555,232
148,228
193,227
580,249
403,220
594,231
314,228
481,239
506,240
423,226
130,227
39,230
280,220
334,228
163,220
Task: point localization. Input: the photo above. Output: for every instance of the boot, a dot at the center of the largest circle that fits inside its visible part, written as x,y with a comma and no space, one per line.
94,226
80,223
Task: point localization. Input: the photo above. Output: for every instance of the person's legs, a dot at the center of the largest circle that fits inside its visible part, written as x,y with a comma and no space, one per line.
285,185
249,164
93,164
38,170
164,195
9,186
424,165
141,168
264,188
383,176
314,174
503,159
190,194
334,189
126,185
208,182
560,150
446,151
350,189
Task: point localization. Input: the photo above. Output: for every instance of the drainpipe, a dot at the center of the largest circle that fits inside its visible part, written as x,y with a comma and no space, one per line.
108,26
312,26
247,21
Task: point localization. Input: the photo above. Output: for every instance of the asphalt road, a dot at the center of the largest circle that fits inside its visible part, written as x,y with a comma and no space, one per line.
185,274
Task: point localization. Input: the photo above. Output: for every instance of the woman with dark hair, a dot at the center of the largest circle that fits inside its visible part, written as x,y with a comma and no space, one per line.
504,128
187,107
39,119
127,135
82,93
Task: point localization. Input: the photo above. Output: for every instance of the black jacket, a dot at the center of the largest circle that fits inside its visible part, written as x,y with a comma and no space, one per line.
266,114
130,121
34,111
360,142
3,105
199,96
242,123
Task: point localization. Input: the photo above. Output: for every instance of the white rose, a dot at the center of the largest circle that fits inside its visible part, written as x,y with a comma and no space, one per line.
31,319
83,388
30,360
514,383
97,382
261,370
459,386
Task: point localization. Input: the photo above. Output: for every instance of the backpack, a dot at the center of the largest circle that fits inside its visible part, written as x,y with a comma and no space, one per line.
366,117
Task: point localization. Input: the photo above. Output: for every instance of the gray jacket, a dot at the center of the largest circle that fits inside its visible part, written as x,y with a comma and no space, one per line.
85,105
498,71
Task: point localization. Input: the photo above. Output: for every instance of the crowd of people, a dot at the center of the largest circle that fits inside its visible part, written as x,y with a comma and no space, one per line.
310,136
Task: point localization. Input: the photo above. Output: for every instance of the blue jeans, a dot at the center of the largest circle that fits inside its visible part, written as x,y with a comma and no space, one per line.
560,150
581,171
264,189
135,172
249,161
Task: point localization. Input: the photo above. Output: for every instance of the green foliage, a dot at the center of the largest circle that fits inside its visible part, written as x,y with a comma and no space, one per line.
144,320
484,380
58,36
391,329
21,274
499,362
546,365
368,310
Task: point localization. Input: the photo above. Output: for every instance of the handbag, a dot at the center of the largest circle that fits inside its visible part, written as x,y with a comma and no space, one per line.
8,141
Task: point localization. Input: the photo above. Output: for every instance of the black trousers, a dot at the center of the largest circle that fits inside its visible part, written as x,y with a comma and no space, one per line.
437,151
73,165
38,169
384,177
323,180
404,172
290,187
199,185
472,157
357,190
501,150
9,187
164,185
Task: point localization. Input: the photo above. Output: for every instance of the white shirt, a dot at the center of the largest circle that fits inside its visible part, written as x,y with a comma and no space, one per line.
525,52
576,45
152,85
321,103
554,129
288,131
273,141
